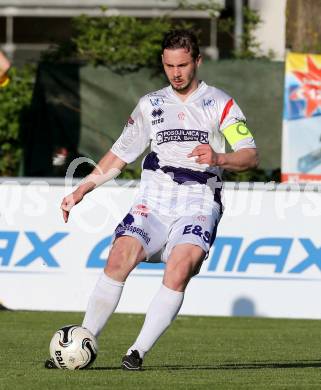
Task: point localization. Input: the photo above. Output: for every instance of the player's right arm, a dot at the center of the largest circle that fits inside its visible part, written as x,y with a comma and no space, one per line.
131,144
108,168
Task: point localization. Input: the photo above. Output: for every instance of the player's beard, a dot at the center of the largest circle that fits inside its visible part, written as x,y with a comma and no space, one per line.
184,86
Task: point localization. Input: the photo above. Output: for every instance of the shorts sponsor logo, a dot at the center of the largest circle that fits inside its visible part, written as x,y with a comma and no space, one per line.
121,230
181,135
197,230
127,226
142,210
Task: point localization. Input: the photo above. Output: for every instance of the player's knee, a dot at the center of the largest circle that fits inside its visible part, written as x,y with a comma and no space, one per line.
177,275
119,257
118,253
114,266
122,258
181,268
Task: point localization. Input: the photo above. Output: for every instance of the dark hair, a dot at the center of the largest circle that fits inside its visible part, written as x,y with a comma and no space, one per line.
181,39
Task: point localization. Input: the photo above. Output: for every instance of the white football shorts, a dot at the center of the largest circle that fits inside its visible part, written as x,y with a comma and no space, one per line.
159,234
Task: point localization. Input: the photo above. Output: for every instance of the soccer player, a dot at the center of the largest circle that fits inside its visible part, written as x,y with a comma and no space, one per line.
4,67
178,207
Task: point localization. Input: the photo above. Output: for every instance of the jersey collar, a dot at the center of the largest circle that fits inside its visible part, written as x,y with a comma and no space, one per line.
193,96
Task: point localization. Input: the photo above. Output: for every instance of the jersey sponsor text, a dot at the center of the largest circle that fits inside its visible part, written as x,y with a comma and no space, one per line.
181,135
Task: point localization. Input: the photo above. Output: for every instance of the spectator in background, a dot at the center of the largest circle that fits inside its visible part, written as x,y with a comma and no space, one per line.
4,67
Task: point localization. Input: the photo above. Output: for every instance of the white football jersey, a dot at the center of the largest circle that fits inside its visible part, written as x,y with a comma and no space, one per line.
179,200
174,128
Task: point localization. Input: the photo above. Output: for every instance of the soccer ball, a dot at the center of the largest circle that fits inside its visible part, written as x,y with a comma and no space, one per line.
73,347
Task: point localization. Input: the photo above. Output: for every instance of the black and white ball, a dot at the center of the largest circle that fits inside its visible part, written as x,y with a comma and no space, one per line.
73,347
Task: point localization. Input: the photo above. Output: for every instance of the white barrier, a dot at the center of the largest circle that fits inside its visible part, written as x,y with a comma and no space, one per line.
266,260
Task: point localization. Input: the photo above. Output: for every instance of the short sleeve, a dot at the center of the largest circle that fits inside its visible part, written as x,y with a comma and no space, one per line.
233,126
230,114
134,139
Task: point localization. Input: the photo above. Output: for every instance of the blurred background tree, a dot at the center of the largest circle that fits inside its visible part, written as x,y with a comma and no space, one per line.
122,43
249,46
14,101
303,26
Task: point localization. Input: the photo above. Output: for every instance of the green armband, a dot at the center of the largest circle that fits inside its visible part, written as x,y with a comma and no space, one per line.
236,133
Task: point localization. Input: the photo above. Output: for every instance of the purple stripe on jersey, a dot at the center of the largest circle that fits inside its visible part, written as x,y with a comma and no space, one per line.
179,175
151,162
182,175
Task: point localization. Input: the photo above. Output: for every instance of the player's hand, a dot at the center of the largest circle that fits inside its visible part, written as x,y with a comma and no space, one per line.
204,155
69,202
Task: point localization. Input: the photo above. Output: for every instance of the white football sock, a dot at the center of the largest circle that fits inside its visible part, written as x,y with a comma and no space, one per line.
160,314
102,303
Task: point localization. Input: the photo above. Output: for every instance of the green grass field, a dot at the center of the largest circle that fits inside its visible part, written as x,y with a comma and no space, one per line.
195,353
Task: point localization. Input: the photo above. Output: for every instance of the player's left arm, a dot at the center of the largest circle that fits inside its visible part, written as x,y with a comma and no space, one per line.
241,160
232,126
243,157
